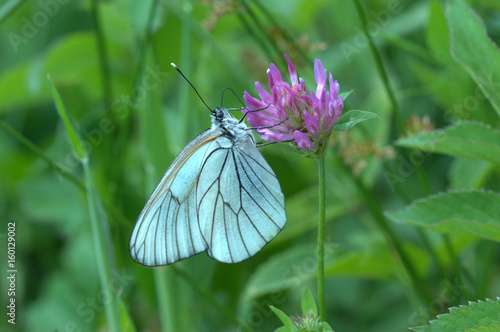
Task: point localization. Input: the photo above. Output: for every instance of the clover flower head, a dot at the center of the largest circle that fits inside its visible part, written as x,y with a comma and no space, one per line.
307,322
289,113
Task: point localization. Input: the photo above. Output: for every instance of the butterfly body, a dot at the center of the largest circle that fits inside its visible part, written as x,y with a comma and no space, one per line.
219,195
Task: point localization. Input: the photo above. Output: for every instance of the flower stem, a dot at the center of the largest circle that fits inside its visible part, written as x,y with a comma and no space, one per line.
321,236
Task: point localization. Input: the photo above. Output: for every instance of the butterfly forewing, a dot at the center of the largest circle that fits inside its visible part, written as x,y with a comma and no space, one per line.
167,229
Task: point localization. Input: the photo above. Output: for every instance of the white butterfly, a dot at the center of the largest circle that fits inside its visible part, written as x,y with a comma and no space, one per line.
219,195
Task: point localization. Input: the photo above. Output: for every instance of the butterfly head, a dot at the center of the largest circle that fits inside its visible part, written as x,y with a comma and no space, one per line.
228,125
218,115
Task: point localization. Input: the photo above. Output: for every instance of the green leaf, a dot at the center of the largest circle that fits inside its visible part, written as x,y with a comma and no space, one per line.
127,323
373,260
489,328
302,205
297,266
346,94
76,143
477,316
308,304
472,212
288,270
281,329
437,34
277,273
352,118
446,86
474,50
325,327
468,173
287,321
464,139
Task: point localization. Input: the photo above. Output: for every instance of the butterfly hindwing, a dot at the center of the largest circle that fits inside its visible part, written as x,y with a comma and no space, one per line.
241,205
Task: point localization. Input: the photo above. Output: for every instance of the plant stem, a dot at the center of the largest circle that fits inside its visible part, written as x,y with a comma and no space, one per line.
165,295
321,236
104,250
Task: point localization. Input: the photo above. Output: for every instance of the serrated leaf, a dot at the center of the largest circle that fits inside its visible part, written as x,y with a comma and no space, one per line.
464,139
287,321
73,136
489,328
352,118
472,316
471,212
308,304
474,50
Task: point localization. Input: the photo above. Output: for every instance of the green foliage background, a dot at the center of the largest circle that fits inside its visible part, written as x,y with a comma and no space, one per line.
110,63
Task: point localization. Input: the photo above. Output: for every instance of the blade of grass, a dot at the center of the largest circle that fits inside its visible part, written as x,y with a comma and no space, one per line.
60,171
257,36
104,251
99,223
185,89
103,56
227,59
153,140
73,136
184,303
265,37
8,8
150,134
289,38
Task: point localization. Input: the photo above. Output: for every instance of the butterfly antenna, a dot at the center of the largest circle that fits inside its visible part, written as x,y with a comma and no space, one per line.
180,72
234,93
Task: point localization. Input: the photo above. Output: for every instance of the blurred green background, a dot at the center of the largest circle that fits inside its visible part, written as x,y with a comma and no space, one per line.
110,61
